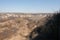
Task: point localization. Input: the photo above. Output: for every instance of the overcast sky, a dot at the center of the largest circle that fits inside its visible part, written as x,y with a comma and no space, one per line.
29,5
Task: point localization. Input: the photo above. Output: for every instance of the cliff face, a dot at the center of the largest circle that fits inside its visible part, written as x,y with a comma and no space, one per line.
19,26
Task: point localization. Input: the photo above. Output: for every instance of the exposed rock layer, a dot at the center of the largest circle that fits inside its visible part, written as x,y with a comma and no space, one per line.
18,27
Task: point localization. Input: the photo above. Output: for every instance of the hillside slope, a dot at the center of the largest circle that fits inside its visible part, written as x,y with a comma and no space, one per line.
19,26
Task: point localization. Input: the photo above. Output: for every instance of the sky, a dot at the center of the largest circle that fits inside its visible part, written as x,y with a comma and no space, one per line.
31,6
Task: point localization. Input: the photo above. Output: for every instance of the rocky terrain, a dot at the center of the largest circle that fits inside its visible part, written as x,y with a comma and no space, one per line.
18,26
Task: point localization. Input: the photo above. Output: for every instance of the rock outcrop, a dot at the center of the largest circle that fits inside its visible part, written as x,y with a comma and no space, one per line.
19,27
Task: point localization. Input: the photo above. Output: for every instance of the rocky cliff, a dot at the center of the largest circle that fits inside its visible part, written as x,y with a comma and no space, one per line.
19,26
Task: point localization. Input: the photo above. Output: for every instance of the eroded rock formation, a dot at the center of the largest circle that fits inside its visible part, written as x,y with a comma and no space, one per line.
19,27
